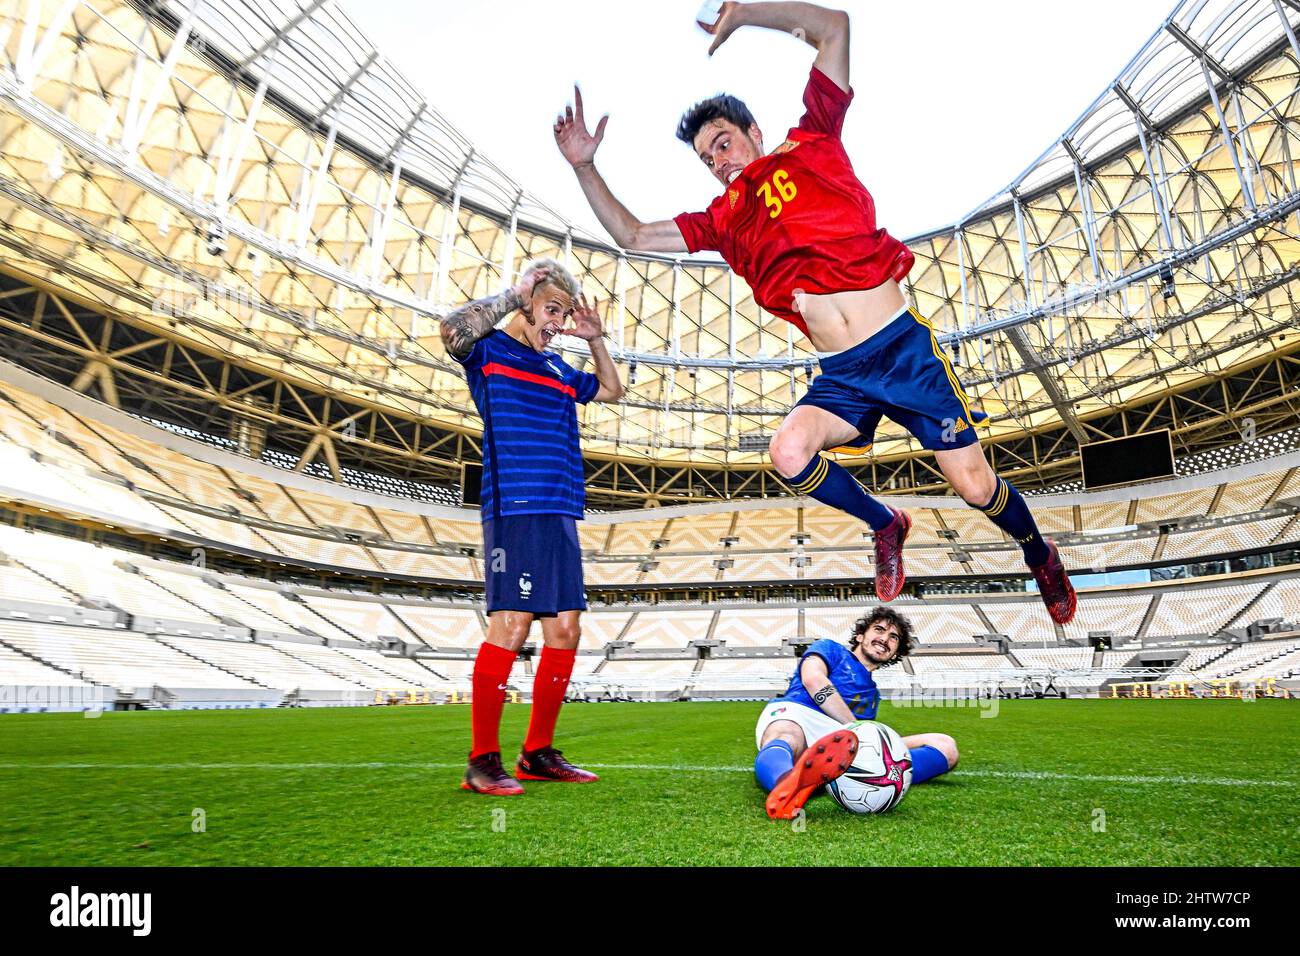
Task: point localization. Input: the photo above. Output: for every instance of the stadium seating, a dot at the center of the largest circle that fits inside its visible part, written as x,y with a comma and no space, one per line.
756,627
177,620
440,627
956,665
1054,658
664,630
1120,612
117,659
133,471
1020,621
830,622
1200,610
1264,659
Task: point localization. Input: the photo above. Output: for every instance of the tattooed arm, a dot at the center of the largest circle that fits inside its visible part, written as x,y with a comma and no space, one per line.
461,328
817,681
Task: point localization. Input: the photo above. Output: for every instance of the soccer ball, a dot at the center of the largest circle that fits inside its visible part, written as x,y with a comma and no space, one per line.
880,774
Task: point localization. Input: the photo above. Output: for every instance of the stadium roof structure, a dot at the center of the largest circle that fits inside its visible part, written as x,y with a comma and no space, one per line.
244,200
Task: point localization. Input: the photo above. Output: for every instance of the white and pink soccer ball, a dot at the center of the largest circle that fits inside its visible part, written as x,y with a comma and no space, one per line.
881,772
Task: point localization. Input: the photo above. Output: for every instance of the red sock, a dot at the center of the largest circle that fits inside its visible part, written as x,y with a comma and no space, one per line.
491,672
549,685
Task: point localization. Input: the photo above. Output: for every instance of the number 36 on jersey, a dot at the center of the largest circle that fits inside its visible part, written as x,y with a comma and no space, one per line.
776,192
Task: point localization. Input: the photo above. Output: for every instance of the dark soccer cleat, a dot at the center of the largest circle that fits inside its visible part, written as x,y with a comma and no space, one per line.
1054,584
547,763
486,775
889,555
817,766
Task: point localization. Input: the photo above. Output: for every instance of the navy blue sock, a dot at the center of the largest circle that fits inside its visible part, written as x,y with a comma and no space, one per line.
775,759
927,763
825,481
1007,510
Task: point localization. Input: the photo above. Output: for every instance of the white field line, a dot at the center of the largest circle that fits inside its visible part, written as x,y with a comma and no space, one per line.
1176,780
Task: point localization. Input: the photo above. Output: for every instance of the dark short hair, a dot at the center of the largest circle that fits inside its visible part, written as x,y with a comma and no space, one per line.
722,106
887,614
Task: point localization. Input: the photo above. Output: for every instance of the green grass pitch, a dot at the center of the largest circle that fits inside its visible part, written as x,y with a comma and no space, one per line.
1044,782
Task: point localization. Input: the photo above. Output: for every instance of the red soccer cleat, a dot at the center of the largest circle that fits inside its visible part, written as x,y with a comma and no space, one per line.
889,555
1055,587
547,763
486,775
817,766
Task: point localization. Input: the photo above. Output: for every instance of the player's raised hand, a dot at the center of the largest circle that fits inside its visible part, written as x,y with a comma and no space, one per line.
728,22
527,283
586,320
576,144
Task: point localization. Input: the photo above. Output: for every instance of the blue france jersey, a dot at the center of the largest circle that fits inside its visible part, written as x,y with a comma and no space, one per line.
532,457
850,676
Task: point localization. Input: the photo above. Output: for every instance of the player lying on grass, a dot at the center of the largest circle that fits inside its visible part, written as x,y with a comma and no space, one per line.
833,686
801,229
532,497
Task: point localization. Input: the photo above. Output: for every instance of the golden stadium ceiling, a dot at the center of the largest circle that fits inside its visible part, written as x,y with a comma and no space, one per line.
252,176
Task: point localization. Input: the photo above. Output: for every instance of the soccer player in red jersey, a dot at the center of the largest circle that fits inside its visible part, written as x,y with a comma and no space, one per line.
801,229
532,495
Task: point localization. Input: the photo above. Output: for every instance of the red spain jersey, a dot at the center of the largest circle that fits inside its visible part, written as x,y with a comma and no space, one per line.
798,219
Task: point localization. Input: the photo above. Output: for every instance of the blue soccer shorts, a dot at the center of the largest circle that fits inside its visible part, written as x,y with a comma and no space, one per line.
533,563
902,373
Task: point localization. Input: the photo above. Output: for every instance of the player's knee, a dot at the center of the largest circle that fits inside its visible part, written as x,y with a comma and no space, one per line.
789,452
565,637
791,735
511,633
948,747
975,486
795,739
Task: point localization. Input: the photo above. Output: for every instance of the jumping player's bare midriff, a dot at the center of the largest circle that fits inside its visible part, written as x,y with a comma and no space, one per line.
840,320
797,224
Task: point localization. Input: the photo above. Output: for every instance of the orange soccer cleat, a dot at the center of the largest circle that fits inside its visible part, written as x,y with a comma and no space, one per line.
817,766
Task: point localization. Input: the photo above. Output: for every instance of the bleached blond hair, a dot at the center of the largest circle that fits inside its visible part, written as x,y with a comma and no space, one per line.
560,277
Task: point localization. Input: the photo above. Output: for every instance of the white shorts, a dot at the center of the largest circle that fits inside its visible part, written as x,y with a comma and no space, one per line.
815,724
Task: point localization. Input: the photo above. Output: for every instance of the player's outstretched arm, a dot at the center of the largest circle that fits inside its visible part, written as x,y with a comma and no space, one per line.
817,681
826,30
587,326
578,146
461,328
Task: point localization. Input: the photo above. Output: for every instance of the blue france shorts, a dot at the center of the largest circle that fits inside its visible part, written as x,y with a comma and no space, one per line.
533,563
900,372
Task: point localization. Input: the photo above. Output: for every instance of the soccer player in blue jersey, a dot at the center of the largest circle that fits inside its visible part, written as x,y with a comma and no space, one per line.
532,497
834,686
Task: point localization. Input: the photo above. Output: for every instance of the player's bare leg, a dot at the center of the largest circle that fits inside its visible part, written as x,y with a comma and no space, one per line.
796,454
806,431
540,760
507,631
786,730
968,471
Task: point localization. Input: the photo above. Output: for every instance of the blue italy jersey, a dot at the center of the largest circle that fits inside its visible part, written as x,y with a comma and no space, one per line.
849,675
532,458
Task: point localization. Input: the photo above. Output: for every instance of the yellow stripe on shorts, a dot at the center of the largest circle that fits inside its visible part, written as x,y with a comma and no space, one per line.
856,451
947,368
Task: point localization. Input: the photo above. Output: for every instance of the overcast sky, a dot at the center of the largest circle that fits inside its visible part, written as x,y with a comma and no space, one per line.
953,98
